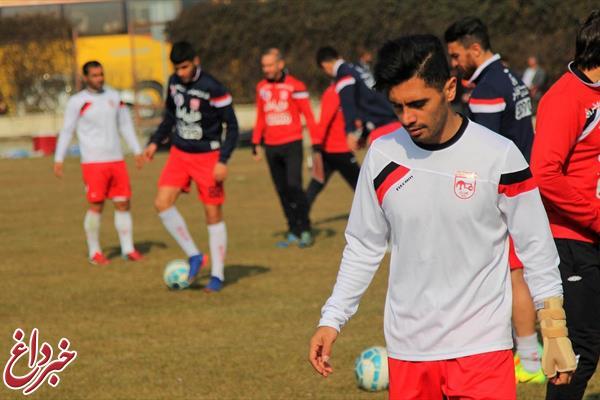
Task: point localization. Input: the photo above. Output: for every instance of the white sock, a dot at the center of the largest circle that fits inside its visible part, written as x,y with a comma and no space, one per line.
176,226
217,240
124,227
527,349
91,225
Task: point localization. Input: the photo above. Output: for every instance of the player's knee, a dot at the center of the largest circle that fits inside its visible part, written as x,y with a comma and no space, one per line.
162,203
122,205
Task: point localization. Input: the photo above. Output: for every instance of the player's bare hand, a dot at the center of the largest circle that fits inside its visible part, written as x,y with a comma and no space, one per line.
320,350
562,378
352,141
58,169
258,153
149,151
220,172
140,159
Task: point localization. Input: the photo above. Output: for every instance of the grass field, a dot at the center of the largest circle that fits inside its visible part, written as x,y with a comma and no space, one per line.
136,339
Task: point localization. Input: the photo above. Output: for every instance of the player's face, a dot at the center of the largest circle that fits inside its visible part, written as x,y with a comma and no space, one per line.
186,70
327,67
94,79
462,59
272,66
422,109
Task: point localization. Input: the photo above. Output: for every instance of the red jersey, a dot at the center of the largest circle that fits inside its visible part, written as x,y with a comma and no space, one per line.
278,107
331,131
565,157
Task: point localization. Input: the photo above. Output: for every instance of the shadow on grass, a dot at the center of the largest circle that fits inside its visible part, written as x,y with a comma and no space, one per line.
233,273
143,247
592,396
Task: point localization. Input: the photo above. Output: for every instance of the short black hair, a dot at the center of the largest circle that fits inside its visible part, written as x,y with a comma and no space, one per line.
326,53
587,44
90,64
422,56
182,51
467,31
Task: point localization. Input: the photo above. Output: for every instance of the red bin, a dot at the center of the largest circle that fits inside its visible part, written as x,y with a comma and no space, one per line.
46,144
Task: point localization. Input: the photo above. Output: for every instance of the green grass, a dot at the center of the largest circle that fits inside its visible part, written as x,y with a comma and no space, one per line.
138,340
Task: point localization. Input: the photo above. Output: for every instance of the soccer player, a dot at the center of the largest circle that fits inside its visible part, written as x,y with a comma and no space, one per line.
564,161
280,99
500,101
446,192
330,142
197,106
98,115
364,109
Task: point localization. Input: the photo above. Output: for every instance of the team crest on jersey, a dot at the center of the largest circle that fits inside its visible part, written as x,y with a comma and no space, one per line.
464,184
265,94
194,104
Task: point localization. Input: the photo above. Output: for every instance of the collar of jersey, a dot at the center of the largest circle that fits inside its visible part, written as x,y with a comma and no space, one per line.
448,143
582,77
280,80
483,66
337,65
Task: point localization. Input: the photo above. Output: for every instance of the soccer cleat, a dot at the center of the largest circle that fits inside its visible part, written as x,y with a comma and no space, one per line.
524,376
306,240
196,263
289,240
99,259
214,285
133,256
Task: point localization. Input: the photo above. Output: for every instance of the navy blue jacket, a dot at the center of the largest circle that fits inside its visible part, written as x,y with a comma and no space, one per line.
501,102
198,110
359,101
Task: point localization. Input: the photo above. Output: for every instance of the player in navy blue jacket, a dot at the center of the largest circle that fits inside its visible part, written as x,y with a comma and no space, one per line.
196,108
500,102
364,109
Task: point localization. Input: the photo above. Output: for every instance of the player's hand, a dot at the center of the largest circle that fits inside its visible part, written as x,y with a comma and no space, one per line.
58,169
320,350
140,159
149,151
562,378
220,172
258,153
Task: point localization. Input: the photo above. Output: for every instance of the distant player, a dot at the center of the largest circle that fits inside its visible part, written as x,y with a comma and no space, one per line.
364,109
98,115
280,100
446,192
330,141
197,106
565,162
500,101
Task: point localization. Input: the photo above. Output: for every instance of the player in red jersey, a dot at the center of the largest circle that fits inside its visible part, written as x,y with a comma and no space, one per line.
280,99
566,163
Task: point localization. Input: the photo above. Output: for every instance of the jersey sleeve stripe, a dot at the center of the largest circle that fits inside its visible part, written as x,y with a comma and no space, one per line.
84,107
222,101
487,108
497,100
515,177
391,174
515,189
515,183
590,124
343,82
300,95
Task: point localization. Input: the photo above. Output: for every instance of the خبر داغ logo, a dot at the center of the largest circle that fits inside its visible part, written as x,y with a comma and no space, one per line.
465,184
40,368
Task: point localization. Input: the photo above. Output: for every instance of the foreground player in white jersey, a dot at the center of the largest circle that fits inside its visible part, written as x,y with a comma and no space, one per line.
97,114
445,192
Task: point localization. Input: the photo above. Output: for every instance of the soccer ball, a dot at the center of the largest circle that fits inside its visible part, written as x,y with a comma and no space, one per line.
371,369
176,274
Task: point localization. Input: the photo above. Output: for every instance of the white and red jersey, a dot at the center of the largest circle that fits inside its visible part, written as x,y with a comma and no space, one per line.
447,211
278,108
566,156
331,132
97,118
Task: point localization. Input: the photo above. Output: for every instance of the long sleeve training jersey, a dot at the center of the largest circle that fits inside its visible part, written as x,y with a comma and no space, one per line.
97,118
447,211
